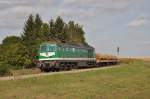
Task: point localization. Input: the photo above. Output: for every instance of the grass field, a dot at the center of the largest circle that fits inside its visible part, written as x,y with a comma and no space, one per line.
127,81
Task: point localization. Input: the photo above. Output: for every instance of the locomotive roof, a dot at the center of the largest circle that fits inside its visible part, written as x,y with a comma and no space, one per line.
72,45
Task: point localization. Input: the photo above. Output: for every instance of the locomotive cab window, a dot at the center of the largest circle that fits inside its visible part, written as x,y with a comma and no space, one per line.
47,48
43,48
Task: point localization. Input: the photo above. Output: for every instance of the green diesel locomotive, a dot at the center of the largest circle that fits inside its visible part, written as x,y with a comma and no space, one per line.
58,56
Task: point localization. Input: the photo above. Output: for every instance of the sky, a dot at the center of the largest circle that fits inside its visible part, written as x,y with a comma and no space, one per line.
107,23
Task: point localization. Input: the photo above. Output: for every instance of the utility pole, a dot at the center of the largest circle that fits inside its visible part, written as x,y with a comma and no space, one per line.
118,50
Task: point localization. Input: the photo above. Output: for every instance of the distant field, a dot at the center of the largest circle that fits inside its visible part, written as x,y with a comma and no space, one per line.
146,59
143,58
127,81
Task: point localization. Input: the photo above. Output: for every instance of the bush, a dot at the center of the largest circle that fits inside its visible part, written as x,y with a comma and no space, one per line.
4,69
17,58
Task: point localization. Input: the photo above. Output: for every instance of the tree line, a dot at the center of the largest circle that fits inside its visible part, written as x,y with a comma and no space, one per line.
19,51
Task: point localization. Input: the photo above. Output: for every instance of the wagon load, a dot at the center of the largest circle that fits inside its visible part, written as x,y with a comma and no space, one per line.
101,57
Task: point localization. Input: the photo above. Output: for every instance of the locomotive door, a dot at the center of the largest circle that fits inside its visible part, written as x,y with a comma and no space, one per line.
89,51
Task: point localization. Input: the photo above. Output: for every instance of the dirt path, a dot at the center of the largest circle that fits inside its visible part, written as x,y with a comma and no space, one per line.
52,73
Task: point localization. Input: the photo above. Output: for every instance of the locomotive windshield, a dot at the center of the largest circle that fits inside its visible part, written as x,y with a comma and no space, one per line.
43,48
47,48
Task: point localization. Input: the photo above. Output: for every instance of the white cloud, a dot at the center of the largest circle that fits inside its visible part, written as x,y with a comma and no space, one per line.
83,10
13,13
14,18
81,14
107,5
12,1
139,21
146,43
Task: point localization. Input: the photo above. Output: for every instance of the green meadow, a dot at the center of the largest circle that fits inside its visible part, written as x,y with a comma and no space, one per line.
124,81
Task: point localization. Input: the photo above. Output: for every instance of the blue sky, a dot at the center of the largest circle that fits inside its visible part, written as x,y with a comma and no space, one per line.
107,23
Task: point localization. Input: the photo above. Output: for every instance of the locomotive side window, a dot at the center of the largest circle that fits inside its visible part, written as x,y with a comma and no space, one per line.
52,48
73,49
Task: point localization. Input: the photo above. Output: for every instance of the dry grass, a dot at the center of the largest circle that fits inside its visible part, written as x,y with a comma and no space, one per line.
146,59
25,71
